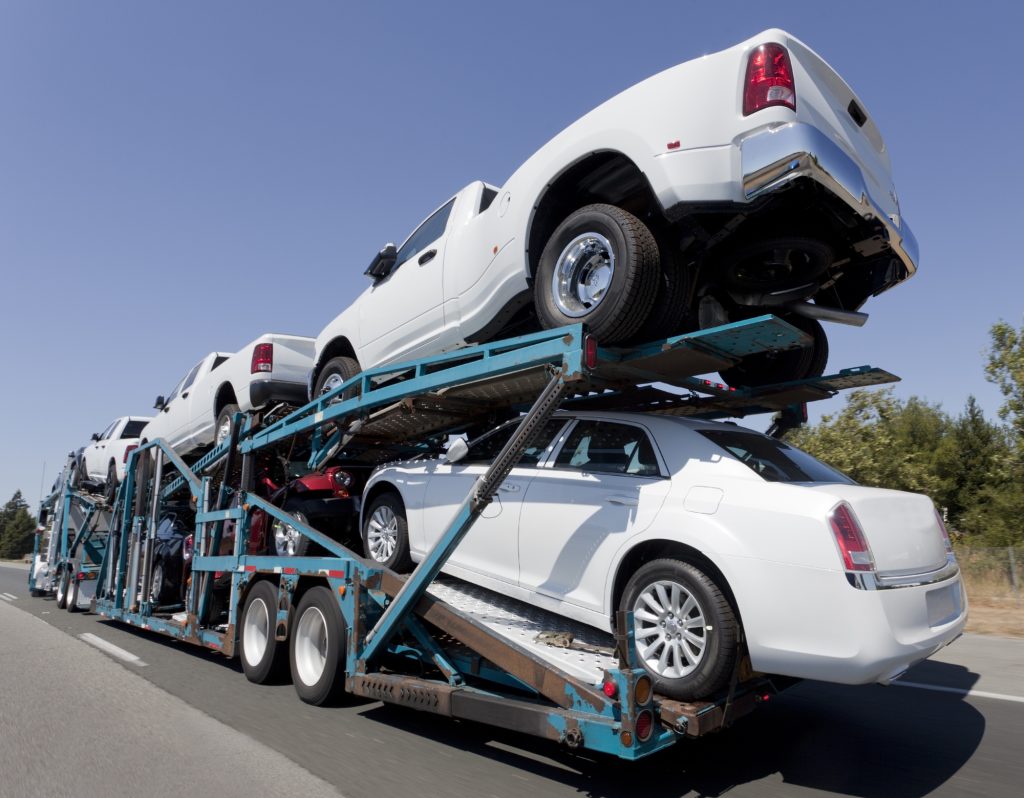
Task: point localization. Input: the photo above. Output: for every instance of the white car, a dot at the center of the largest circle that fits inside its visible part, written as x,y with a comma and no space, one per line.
745,181
197,413
104,459
715,536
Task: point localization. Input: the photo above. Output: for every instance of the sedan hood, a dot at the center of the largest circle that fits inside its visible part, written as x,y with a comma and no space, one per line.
902,528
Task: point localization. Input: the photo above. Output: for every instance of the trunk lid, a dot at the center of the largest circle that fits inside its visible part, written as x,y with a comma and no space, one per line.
901,528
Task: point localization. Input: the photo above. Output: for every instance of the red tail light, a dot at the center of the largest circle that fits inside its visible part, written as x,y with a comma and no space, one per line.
590,352
644,725
853,546
769,79
128,450
262,358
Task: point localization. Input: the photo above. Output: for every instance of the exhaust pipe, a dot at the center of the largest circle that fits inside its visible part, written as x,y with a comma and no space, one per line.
811,311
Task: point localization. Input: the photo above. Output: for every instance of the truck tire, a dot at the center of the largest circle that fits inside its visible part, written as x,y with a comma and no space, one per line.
316,648
63,582
685,628
766,368
73,587
600,267
223,423
336,371
386,533
263,658
669,313
110,488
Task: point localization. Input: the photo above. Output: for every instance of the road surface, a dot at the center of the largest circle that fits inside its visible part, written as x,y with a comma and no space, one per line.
817,739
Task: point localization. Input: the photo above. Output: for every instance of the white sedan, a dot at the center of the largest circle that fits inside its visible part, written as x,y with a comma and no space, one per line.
715,536
745,181
104,459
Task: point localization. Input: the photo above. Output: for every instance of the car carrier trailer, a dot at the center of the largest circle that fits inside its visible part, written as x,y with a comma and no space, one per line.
349,625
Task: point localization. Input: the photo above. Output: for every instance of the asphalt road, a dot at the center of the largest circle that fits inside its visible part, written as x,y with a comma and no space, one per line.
815,739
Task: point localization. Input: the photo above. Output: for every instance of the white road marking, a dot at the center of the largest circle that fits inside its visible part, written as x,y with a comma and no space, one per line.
960,691
9,596
2,596
111,649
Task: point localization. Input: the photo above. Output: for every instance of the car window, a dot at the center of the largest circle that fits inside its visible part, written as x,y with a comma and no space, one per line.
133,429
484,449
427,233
609,448
773,460
108,431
185,383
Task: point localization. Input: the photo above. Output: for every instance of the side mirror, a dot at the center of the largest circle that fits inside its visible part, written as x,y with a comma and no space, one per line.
383,262
456,451
95,436
160,404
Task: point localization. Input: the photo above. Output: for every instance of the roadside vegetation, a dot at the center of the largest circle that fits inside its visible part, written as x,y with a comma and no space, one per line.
16,528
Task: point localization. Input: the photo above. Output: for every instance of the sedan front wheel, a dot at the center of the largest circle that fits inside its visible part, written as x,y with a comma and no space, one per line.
685,628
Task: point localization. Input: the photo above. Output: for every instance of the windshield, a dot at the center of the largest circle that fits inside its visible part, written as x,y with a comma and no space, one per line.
773,460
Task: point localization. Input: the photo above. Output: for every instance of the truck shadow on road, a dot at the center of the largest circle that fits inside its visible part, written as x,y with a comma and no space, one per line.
874,742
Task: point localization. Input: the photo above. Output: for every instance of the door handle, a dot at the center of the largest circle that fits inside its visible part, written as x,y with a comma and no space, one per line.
509,487
427,256
625,501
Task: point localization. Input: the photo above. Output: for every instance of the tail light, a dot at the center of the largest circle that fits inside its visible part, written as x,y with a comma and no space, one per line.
853,546
590,351
127,451
944,531
644,725
186,549
769,79
262,358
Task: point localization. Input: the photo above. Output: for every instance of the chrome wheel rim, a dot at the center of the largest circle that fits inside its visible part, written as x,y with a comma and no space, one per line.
156,583
583,274
311,646
286,537
332,382
223,430
256,632
669,627
382,533
62,586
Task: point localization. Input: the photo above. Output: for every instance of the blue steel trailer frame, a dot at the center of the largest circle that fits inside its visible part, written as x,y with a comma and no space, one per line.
388,618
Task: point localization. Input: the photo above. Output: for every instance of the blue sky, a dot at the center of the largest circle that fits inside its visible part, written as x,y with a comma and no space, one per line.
180,177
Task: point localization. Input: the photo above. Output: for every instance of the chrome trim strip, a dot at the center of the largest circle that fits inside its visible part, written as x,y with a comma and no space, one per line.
870,580
777,156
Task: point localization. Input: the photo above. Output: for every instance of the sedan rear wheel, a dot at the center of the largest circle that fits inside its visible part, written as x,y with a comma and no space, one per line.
386,533
287,540
685,628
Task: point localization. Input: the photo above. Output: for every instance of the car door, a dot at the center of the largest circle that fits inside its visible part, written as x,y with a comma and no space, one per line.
403,312
174,418
95,453
489,547
605,483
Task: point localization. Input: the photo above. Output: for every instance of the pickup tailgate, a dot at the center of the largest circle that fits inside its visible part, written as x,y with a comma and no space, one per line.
824,100
293,356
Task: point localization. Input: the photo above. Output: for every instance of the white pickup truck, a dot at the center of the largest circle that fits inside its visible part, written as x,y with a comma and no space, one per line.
271,369
747,181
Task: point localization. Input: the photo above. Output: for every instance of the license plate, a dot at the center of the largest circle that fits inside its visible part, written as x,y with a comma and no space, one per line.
944,604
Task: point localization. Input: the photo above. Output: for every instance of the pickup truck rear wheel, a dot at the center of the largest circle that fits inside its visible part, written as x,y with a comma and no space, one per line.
600,267
224,423
336,371
685,628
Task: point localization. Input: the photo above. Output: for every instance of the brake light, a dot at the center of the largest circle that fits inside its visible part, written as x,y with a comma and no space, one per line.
944,531
769,79
644,725
590,351
128,450
262,358
853,546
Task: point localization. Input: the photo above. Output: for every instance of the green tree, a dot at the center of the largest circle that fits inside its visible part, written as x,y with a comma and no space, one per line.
16,528
1005,368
